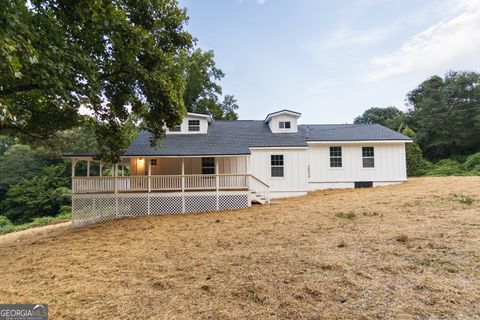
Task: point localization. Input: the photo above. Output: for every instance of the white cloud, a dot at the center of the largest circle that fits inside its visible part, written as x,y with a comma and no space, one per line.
261,1
346,36
440,46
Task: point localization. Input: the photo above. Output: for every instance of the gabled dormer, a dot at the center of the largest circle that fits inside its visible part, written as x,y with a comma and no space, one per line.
193,123
283,121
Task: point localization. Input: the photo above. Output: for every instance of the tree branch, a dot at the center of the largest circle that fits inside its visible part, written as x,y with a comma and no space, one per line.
20,88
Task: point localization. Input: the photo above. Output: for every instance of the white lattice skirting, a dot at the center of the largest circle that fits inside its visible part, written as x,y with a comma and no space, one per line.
94,208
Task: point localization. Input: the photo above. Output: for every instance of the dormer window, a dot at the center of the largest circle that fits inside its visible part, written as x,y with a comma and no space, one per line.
194,125
284,125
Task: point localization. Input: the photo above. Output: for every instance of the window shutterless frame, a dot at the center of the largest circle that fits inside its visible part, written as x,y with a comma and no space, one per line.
284,125
368,157
193,125
208,165
277,166
336,157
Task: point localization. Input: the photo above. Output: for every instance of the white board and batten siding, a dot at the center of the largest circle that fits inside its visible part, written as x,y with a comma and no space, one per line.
308,169
193,165
294,181
390,165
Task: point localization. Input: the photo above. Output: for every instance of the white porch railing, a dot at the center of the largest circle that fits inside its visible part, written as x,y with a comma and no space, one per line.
168,183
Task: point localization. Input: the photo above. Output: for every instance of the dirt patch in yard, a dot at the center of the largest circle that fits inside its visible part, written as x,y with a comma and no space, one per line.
406,251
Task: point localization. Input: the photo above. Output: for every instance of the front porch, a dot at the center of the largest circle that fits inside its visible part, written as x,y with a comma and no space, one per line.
161,185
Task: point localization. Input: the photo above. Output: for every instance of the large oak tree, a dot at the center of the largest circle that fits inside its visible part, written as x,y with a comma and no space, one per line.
59,58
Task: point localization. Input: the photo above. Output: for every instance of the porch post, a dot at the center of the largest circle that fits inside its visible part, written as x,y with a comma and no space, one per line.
74,163
115,187
149,173
217,178
149,183
88,168
101,168
183,185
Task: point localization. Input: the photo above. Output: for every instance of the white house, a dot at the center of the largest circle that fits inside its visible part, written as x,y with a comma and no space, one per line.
206,165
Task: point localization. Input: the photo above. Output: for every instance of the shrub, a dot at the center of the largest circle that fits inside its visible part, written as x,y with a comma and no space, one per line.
472,161
447,167
416,165
37,197
5,225
475,171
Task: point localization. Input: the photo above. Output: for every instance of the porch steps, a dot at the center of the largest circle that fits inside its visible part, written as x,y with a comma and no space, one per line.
257,198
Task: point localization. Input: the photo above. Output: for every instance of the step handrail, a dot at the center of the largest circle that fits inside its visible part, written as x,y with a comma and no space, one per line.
262,188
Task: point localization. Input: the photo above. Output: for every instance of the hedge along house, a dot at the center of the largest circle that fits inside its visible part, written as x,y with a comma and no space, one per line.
206,165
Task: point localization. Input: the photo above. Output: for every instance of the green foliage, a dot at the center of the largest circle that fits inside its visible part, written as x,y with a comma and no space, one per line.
447,167
416,165
389,117
17,163
409,132
472,161
5,225
201,91
39,196
475,171
113,58
445,112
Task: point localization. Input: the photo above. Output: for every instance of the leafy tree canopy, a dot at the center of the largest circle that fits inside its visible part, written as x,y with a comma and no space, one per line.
389,117
202,91
105,58
445,114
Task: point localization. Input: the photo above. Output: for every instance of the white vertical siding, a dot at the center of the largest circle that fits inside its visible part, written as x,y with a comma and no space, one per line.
167,166
232,165
390,163
295,170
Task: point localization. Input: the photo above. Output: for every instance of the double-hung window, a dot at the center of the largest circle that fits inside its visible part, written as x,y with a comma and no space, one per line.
335,157
368,157
284,125
276,164
194,125
208,165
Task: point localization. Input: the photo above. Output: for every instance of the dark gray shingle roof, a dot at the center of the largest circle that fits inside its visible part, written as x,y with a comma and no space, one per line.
236,137
223,138
350,132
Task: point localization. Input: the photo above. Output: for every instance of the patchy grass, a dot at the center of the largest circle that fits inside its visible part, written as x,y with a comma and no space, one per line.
411,251
37,222
346,215
463,199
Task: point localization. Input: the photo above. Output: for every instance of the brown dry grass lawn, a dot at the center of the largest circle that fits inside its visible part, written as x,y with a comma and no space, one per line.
407,251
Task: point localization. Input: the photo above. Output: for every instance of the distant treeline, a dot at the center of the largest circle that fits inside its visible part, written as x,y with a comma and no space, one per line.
443,117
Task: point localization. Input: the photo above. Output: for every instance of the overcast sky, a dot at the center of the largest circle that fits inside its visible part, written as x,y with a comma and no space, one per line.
331,60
